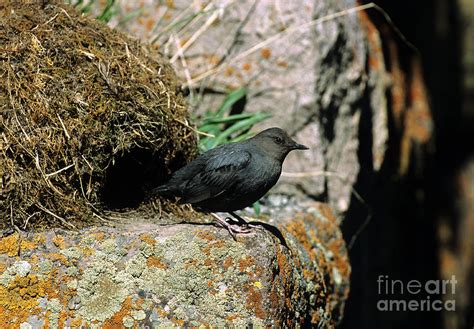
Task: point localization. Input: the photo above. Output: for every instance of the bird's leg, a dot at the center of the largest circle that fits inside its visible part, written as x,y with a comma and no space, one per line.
233,228
242,221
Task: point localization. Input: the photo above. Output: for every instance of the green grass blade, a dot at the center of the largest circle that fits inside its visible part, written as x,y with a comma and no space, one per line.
241,125
131,16
257,208
108,12
230,100
228,119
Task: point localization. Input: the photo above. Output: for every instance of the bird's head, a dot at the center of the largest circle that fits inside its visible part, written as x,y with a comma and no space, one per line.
276,142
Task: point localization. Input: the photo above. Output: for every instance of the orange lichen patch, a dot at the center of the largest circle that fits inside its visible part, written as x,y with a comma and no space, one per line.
170,4
62,318
418,121
205,235
59,242
246,262
246,66
228,262
326,211
232,317
116,320
398,86
254,301
99,236
154,261
212,244
335,244
58,257
190,262
10,245
315,317
3,267
375,55
178,322
20,299
161,312
51,286
281,286
265,53
148,239
209,262
259,271
300,232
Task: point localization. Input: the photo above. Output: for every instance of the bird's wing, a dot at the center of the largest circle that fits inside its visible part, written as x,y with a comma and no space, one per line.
218,175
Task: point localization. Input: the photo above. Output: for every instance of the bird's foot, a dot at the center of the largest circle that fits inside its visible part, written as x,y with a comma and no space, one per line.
234,227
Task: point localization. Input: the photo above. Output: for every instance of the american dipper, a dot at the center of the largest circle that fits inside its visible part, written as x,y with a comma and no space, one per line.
232,176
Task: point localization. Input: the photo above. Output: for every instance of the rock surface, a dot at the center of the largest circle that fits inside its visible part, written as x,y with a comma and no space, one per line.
185,275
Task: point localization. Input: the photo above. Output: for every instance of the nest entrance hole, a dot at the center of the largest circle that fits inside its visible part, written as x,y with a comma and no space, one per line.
131,177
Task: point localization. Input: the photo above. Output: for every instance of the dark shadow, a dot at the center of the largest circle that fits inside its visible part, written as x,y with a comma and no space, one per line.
275,231
127,181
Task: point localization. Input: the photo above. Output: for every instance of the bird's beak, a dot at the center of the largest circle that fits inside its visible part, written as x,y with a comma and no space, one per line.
297,146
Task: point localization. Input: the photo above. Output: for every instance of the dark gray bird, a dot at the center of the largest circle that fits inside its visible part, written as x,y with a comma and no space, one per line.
232,176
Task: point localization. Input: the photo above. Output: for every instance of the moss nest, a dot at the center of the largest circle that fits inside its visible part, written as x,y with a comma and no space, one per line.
90,118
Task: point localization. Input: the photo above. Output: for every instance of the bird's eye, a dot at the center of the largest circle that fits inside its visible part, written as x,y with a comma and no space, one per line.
278,140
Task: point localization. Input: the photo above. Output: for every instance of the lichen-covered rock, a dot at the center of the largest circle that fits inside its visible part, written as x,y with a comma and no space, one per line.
182,274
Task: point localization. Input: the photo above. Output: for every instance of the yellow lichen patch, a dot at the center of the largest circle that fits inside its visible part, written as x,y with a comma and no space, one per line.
76,322
3,267
27,245
87,251
39,239
59,242
308,274
9,245
19,299
154,261
116,320
148,239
